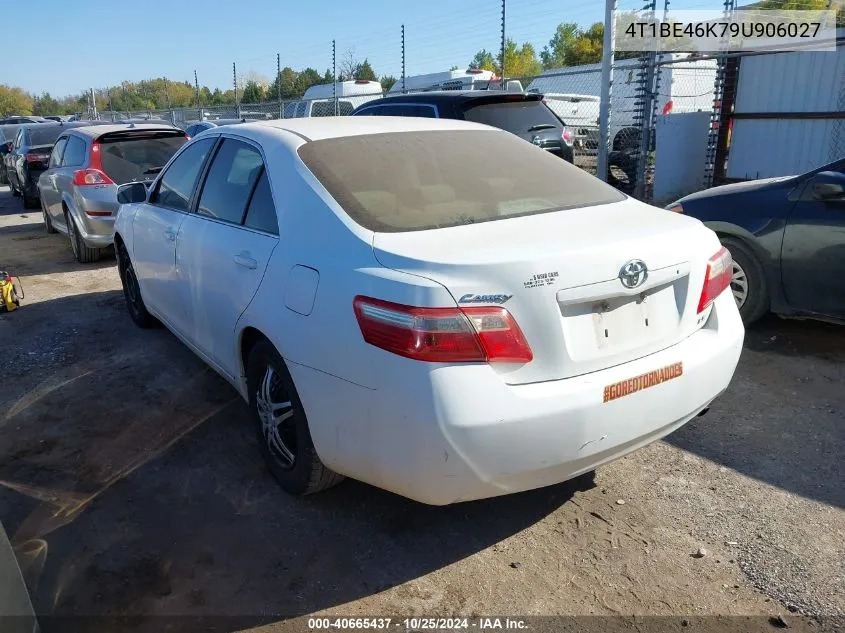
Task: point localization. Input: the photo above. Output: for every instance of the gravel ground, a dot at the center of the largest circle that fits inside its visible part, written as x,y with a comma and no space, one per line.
130,484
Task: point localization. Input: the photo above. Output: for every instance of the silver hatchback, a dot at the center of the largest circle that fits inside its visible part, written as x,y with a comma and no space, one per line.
79,188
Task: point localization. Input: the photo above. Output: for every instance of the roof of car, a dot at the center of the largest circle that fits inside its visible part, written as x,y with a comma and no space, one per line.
456,96
98,130
318,128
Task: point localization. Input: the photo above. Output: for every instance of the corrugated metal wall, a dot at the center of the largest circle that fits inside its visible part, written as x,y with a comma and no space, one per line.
795,82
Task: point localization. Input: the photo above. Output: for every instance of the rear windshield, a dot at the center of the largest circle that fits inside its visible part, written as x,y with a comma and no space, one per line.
519,117
45,134
139,156
410,181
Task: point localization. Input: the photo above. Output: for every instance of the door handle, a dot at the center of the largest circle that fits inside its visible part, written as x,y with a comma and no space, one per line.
170,235
246,261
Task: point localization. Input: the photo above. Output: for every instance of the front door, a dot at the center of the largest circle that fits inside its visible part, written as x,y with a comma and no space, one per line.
223,249
813,254
156,225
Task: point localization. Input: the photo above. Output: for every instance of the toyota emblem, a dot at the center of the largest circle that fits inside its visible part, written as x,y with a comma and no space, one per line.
633,273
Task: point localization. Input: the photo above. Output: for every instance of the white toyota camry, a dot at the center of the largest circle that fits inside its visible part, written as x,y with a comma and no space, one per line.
434,307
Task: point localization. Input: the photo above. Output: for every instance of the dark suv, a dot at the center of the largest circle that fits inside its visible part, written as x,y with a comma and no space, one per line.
520,113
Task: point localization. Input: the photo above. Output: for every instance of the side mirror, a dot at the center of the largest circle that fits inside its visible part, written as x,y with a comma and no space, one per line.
132,192
829,186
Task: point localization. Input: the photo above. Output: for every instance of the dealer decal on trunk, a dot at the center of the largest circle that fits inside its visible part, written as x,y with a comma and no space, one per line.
643,381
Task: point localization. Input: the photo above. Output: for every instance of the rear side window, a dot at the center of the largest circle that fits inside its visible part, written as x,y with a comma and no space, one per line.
518,117
261,213
177,183
131,157
230,181
409,181
74,152
56,154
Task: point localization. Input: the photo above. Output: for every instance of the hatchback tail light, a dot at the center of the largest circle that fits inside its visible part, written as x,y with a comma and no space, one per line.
36,157
567,136
477,334
717,278
83,177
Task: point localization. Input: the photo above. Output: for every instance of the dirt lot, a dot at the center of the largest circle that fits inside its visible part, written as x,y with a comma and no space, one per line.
131,485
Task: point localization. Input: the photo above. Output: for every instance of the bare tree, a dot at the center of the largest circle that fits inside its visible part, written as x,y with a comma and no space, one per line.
349,65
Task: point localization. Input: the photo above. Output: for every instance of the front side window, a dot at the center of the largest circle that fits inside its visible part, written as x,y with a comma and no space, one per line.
410,181
177,183
74,152
56,154
230,181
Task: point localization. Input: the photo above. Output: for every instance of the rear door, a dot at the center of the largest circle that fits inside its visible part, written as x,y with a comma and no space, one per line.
223,249
47,184
156,226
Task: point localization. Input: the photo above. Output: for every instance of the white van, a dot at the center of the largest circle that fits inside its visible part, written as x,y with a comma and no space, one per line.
468,79
318,100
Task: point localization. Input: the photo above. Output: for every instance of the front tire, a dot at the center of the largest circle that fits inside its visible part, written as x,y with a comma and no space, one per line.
281,426
132,291
84,254
748,281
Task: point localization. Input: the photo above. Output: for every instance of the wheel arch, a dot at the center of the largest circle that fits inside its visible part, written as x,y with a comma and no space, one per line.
247,339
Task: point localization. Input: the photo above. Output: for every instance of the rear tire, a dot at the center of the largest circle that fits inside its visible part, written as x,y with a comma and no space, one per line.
281,426
622,172
84,254
29,202
132,291
748,281
15,192
48,223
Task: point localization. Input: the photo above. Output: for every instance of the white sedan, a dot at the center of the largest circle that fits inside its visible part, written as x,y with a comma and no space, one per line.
434,307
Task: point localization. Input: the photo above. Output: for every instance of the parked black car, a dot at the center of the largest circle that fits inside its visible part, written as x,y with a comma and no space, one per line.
20,120
523,114
29,156
787,239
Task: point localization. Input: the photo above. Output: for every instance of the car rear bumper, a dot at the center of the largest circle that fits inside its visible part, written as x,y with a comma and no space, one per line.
97,230
460,433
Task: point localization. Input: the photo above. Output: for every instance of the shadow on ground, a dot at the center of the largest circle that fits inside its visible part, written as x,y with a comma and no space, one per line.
800,445
131,483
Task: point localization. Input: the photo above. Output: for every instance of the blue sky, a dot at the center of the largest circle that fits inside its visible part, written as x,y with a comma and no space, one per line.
91,43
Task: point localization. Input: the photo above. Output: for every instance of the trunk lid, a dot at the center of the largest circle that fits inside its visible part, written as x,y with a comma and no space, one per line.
558,274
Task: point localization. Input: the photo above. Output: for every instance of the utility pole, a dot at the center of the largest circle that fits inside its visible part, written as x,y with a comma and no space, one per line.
334,76
197,89
403,59
606,89
94,105
235,83
503,45
279,82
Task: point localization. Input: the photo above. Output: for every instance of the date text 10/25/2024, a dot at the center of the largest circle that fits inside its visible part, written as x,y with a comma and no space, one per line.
418,624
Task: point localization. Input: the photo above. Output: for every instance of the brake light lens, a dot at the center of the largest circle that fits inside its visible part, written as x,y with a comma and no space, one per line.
477,334
83,177
34,157
667,109
717,278
567,136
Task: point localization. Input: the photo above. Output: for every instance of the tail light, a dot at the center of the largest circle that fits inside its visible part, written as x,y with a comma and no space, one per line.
717,278
667,109
567,136
82,177
94,175
34,157
477,334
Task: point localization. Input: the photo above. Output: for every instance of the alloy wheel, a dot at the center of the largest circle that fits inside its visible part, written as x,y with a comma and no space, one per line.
739,285
276,412
71,233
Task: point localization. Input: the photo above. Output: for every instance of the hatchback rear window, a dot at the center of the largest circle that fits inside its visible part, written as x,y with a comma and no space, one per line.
519,117
139,156
45,134
410,181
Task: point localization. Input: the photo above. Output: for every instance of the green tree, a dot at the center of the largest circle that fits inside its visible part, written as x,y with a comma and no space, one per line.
14,101
521,61
553,55
287,79
307,78
328,77
484,60
365,72
387,81
253,93
45,104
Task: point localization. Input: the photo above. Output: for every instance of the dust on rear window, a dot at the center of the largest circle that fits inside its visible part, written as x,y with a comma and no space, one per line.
411,181
133,158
